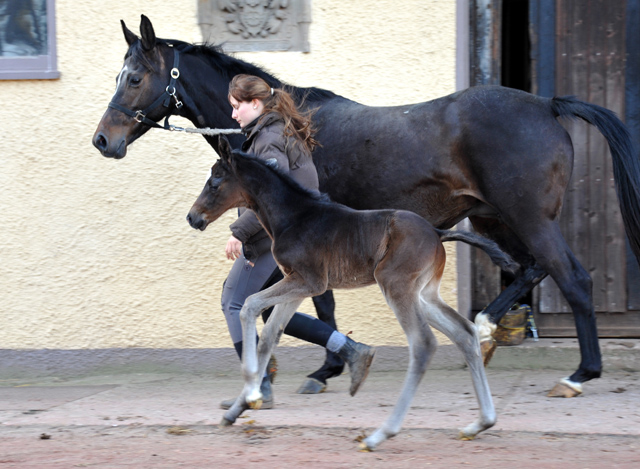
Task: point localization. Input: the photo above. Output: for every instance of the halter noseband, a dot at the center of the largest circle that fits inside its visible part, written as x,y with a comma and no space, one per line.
164,98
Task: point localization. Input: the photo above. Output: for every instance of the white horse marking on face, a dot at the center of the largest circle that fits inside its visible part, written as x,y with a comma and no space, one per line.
119,80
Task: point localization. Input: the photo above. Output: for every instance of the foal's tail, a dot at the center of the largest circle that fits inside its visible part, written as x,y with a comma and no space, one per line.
497,255
626,165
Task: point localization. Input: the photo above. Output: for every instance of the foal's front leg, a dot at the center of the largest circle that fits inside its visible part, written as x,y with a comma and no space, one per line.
254,364
271,333
290,292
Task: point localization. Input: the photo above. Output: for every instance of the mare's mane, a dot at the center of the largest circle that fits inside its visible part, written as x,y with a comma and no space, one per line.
228,66
286,179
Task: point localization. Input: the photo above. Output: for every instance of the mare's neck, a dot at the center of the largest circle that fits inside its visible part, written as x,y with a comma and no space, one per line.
205,101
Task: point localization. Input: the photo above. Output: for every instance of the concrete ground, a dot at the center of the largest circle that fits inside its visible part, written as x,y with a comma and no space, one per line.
169,419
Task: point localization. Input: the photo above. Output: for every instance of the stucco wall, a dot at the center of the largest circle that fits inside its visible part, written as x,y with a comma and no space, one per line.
96,253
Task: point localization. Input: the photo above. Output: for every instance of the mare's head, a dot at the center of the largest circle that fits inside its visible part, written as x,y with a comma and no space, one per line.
221,192
142,87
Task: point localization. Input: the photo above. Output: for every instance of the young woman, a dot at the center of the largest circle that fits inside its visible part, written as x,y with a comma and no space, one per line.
280,134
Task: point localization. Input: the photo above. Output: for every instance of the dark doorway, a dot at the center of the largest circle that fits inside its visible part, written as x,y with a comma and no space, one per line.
516,46
515,70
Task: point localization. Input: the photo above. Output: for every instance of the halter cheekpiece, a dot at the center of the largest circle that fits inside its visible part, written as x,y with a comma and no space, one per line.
164,98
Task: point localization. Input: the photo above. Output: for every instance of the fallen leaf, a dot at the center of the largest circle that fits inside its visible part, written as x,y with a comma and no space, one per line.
178,431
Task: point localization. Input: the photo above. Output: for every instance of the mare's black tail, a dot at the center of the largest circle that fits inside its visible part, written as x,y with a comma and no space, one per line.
626,165
497,255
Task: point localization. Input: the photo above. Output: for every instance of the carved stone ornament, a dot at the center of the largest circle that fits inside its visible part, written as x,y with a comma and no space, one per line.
256,25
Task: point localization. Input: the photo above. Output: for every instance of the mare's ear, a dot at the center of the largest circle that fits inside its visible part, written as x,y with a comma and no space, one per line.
224,148
147,33
128,35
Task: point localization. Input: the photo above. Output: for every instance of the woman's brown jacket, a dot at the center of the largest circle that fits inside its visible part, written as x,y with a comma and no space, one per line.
267,141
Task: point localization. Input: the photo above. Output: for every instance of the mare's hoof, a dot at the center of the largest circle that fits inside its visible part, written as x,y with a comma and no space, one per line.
312,386
488,348
225,423
566,388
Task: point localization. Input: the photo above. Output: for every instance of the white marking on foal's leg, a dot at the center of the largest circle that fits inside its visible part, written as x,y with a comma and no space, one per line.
485,327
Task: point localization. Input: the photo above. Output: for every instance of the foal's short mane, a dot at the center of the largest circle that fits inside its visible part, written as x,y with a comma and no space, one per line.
286,179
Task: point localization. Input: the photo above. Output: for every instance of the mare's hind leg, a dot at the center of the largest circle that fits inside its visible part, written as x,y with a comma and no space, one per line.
554,255
463,333
422,346
532,274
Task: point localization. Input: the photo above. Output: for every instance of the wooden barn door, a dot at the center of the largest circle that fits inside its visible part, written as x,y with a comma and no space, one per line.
576,47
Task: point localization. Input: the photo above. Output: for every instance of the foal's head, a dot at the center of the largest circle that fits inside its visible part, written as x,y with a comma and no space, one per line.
221,192
242,180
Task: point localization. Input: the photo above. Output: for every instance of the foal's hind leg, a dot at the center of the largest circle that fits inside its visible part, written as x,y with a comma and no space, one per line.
422,346
463,333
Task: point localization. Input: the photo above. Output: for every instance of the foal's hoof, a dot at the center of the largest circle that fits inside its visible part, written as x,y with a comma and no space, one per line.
488,348
225,423
566,388
255,405
312,386
364,448
465,436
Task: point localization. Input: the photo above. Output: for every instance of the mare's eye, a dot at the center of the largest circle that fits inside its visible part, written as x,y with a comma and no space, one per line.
135,81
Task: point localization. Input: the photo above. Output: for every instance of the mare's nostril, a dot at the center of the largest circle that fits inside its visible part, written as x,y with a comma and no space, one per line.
100,142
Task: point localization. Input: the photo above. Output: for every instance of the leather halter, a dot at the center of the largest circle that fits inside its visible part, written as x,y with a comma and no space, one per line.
164,98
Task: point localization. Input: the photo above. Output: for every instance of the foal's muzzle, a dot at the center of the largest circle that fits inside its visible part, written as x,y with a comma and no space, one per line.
197,221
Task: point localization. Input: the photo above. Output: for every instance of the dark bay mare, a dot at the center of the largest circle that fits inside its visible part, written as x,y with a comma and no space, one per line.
319,245
462,155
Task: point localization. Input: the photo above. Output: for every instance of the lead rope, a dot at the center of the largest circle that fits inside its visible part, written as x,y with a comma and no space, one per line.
205,131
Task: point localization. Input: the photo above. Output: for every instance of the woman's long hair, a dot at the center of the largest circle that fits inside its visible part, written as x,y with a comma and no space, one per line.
297,124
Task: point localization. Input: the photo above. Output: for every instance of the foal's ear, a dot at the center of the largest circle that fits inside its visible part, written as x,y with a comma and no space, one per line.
224,148
128,35
147,33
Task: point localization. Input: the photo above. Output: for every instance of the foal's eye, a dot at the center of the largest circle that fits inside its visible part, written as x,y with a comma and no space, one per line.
135,81
213,185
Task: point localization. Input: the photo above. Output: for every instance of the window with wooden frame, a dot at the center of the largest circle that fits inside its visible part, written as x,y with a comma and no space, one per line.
28,40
